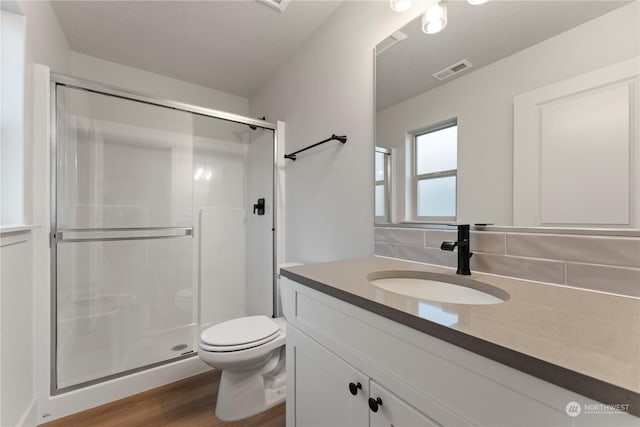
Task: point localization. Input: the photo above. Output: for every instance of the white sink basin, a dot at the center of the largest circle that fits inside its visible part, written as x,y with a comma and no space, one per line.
438,287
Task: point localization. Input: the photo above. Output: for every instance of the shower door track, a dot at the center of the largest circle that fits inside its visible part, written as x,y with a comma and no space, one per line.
58,79
105,89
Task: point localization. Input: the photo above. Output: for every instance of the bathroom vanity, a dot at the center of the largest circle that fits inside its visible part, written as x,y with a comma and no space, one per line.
545,355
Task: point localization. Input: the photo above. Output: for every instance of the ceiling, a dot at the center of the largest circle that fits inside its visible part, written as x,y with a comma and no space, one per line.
480,34
232,46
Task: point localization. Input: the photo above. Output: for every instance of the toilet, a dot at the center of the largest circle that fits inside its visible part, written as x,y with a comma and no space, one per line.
250,351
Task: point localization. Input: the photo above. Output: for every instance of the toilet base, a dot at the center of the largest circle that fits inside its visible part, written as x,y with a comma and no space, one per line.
247,393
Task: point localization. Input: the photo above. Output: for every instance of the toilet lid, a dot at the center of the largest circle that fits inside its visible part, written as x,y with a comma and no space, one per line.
242,331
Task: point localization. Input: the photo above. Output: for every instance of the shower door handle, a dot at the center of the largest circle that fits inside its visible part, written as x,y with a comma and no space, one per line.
259,207
120,234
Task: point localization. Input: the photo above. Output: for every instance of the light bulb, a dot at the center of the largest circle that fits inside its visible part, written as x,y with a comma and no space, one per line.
434,18
477,2
198,174
435,13
400,5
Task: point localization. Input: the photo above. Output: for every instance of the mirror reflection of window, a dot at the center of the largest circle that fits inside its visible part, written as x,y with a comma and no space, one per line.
435,173
382,187
12,35
500,101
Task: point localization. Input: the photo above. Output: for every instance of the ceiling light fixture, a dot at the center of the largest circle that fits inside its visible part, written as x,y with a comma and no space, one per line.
400,5
434,18
477,2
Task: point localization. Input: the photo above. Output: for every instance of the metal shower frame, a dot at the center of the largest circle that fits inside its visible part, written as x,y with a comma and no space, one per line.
105,89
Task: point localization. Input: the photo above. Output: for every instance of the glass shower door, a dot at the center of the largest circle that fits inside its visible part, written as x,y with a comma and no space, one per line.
123,243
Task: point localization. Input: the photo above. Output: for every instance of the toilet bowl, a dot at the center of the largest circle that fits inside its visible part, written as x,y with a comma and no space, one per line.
250,353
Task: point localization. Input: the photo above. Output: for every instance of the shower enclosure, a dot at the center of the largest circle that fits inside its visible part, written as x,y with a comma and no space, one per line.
154,232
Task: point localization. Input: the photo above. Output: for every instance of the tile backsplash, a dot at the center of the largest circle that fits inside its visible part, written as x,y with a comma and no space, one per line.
609,264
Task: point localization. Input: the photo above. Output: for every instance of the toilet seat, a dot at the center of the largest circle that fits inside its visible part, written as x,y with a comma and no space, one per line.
239,334
228,348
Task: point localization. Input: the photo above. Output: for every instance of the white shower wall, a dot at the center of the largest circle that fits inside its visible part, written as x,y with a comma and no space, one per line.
241,268
259,166
220,230
239,164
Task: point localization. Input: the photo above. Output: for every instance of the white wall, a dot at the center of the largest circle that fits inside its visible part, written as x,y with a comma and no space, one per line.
156,85
483,103
325,88
17,402
44,43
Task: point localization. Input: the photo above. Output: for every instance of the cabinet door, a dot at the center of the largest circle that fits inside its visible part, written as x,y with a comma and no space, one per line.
321,386
393,412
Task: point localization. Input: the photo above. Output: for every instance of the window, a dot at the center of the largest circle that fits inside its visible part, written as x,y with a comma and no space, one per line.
12,119
382,187
435,154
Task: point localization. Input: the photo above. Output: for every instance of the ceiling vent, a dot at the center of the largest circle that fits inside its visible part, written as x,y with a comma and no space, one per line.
277,5
452,70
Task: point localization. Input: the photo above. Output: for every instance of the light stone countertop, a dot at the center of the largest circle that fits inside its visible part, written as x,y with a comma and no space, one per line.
585,341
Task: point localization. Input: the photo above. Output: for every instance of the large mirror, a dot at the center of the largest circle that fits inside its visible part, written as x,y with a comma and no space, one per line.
517,113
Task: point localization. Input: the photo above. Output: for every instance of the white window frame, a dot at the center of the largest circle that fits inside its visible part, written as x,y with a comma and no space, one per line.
415,178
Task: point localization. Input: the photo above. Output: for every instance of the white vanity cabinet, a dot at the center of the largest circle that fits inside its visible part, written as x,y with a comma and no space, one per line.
321,385
330,392
420,380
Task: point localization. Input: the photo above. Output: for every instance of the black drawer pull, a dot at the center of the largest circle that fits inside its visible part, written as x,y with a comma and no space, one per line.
354,387
374,404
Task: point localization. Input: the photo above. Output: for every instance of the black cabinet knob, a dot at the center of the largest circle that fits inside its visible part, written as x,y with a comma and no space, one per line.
354,387
374,404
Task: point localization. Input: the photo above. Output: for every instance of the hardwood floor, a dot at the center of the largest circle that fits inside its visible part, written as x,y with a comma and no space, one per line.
189,402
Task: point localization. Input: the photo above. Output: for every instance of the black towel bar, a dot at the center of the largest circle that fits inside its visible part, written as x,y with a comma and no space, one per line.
341,138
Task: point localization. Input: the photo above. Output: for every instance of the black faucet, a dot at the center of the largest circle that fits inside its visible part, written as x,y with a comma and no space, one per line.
464,252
